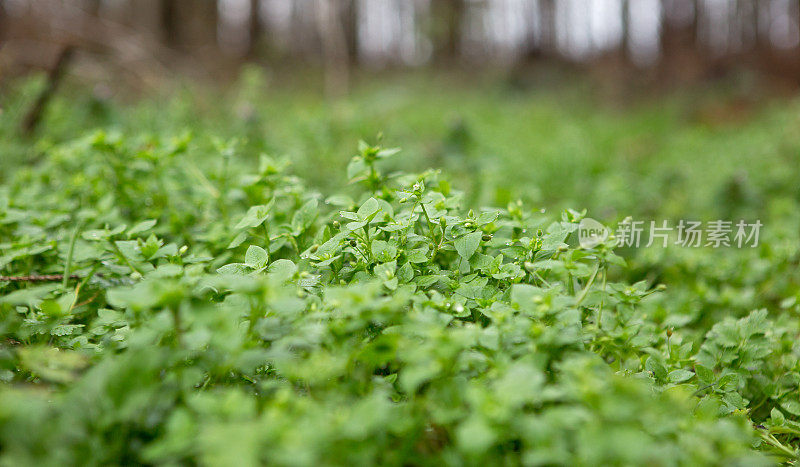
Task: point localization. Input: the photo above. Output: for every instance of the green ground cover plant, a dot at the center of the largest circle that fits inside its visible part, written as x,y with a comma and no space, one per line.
216,304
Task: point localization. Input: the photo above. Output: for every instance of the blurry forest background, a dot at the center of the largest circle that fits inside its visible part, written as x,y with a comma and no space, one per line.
663,41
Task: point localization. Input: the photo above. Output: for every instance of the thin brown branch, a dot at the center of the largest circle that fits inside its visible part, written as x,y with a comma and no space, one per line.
36,278
87,301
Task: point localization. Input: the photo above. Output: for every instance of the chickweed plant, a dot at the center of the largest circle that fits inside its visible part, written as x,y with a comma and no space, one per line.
216,313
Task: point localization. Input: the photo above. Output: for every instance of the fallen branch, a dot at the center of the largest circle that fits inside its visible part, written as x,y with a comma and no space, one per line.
37,278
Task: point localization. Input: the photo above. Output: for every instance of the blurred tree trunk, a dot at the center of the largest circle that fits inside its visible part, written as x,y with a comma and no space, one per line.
254,29
34,115
448,22
547,26
334,47
3,22
188,23
682,59
350,21
796,10
93,7
302,32
625,42
678,36
760,11
208,21
744,11
168,12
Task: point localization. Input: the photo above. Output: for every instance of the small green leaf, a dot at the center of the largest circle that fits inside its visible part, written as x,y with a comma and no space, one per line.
142,227
705,375
468,244
238,240
256,257
777,417
656,367
792,406
235,269
305,216
680,376
255,216
368,210
283,268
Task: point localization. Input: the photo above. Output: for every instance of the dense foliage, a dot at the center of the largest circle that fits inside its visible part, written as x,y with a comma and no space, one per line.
218,309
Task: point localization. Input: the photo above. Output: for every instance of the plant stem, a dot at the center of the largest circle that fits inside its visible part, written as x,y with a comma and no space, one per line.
124,258
588,285
70,251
